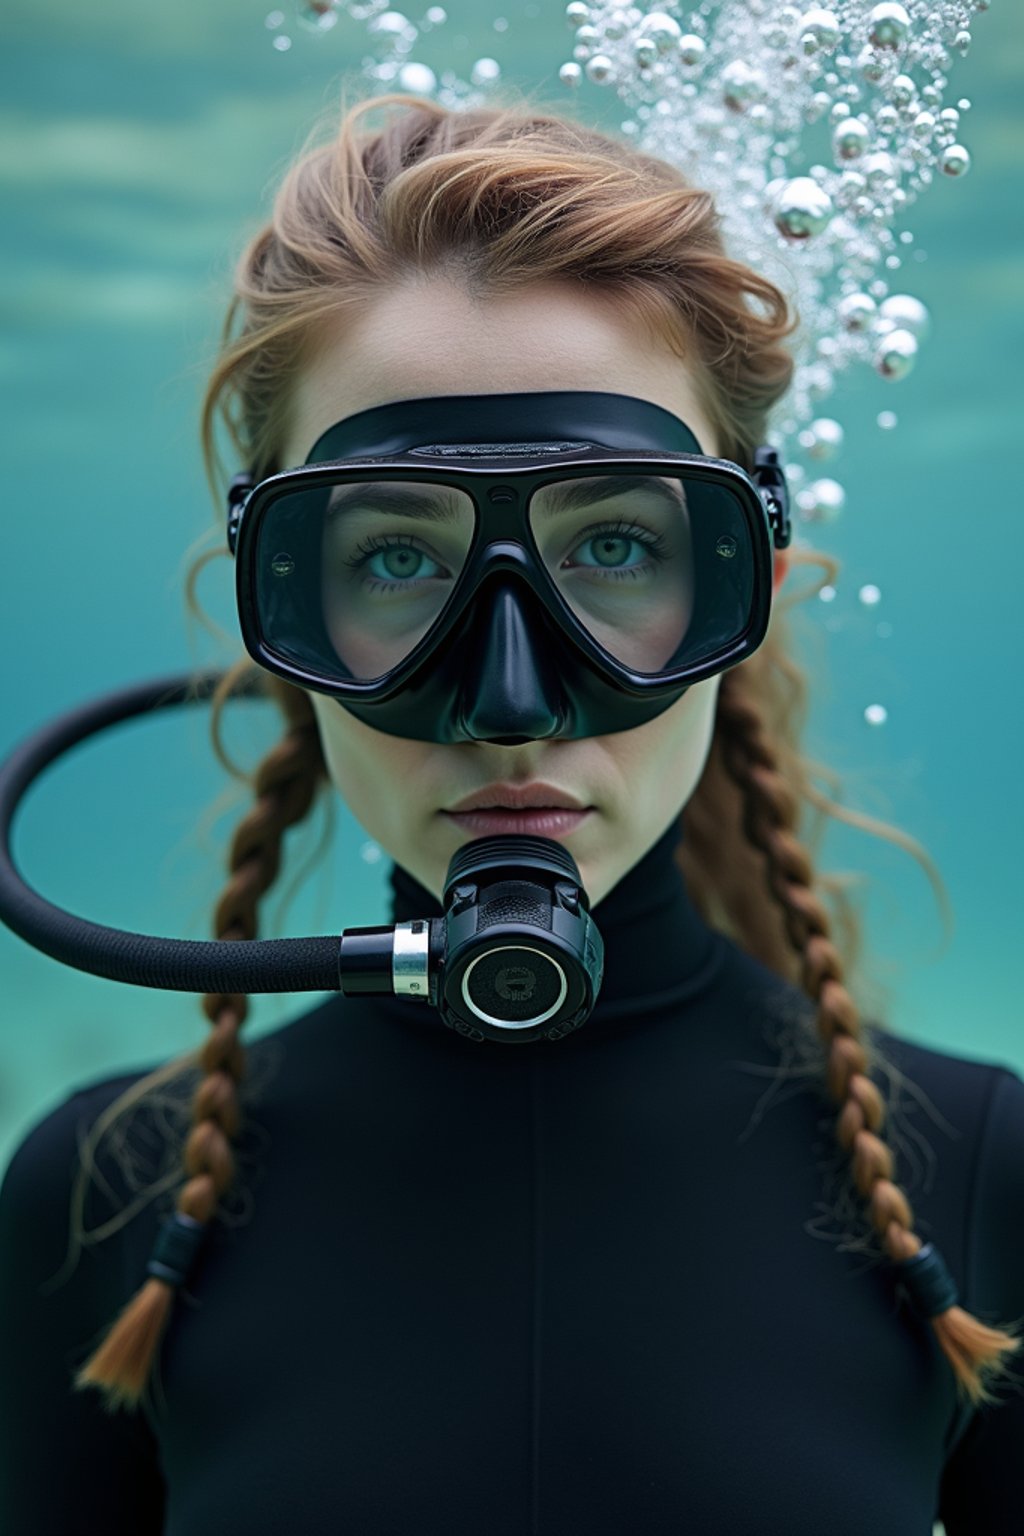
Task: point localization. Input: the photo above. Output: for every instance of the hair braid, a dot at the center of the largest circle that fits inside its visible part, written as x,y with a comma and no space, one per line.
285,785
974,1350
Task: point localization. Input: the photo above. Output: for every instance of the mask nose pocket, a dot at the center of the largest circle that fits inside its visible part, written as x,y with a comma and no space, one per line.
508,693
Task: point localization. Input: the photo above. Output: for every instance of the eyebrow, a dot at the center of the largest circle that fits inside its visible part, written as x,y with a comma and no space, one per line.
395,498
570,495
558,496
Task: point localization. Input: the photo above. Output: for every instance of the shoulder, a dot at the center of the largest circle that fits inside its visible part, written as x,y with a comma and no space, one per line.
57,1295
56,1285
972,1112
47,1150
980,1485
967,1079
92,1165
38,1179
981,1102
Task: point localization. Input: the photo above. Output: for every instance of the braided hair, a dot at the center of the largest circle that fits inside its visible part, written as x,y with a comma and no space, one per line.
973,1349
518,196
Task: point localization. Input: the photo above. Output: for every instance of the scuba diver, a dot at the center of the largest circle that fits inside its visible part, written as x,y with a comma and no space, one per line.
581,1206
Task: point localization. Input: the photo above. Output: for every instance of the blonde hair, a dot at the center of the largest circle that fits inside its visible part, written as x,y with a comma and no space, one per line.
502,198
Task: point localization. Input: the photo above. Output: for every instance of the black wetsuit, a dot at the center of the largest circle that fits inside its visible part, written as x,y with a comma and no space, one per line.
584,1288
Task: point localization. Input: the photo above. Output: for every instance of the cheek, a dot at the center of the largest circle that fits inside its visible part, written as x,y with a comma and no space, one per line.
367,767
664,758
693,727
692,732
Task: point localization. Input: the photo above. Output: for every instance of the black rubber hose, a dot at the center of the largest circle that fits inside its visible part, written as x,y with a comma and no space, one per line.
173,965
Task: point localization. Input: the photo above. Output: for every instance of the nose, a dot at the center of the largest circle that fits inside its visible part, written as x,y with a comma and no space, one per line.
507,694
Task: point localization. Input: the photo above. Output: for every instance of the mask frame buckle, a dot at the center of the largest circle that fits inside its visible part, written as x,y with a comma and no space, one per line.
238,495
770,478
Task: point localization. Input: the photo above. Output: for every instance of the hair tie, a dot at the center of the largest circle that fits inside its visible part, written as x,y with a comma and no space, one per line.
177,1246
932,1287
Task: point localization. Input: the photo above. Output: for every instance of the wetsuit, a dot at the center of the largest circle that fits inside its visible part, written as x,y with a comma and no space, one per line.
586,1288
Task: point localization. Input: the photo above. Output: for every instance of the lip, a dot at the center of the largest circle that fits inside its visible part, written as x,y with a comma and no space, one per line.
550,822
518,797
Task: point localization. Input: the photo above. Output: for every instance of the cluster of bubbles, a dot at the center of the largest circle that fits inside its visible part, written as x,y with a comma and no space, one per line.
392,37
815,129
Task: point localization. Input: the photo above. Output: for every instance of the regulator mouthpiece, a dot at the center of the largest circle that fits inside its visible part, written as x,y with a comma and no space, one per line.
516,956
523,956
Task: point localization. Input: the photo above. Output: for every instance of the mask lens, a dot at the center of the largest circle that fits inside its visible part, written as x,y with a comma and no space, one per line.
658,569
351,577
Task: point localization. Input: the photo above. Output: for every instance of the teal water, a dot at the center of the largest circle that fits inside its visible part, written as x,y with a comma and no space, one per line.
139,147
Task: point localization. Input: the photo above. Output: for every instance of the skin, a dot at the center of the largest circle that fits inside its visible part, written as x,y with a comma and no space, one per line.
430,337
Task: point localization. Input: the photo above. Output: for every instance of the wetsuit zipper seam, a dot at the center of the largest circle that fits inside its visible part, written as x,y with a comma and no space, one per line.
538,1253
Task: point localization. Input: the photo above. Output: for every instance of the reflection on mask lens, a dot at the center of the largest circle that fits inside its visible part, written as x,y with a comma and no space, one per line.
351,577
391,556
369,568
619,550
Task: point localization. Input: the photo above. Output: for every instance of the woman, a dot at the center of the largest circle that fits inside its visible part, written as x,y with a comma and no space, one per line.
570,1287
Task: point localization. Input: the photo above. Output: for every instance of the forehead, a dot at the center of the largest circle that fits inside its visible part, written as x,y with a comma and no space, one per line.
430,338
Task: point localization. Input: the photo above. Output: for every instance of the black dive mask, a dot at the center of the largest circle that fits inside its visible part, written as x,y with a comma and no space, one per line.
507,567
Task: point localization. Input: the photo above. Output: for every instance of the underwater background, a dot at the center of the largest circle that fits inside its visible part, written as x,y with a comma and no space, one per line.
140,148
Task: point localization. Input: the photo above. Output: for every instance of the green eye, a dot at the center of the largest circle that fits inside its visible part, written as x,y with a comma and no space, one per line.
610,550
399,562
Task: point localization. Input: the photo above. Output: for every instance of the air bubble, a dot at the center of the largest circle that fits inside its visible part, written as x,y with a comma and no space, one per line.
822,501
485,71
418,79
600,69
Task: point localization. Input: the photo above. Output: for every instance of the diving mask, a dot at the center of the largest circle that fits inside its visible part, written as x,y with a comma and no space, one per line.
507,568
